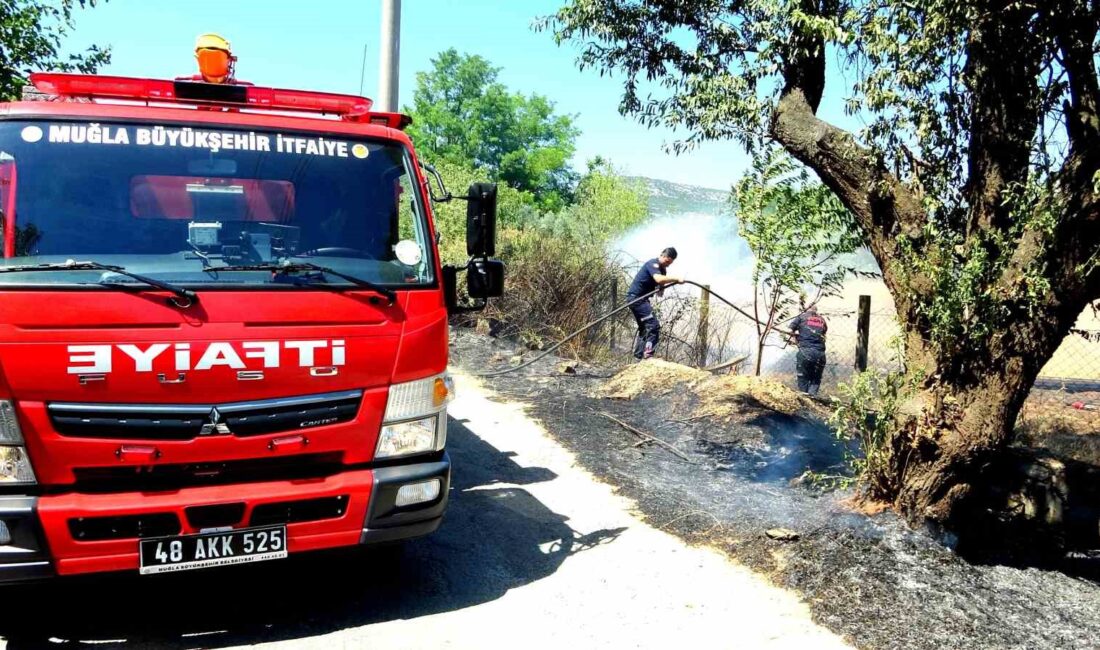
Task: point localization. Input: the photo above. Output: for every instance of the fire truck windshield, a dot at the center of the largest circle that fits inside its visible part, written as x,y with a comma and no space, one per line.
173,202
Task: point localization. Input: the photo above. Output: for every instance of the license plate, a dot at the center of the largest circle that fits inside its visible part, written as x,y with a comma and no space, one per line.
167,554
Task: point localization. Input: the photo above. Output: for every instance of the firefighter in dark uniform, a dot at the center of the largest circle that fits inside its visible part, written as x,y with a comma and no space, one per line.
809,330
653,274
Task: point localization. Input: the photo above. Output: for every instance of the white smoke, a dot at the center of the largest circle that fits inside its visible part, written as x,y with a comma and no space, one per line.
710,250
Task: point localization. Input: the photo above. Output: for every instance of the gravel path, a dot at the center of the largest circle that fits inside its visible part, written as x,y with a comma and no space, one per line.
534,553
872,580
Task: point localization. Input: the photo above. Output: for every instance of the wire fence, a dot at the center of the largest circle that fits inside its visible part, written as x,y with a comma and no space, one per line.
1065,400
706,332
700,332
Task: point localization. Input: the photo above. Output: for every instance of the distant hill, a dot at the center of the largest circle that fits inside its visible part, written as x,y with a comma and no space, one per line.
666,198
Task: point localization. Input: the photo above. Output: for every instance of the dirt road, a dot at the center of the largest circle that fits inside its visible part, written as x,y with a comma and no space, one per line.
533,553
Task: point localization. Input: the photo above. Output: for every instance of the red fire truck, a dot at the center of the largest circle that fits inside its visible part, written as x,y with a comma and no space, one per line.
223,324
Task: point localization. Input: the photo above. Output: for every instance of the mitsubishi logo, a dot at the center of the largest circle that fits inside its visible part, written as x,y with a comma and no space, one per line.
214,426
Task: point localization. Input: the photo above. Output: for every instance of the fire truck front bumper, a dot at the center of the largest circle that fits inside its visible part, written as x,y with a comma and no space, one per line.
67,534
407,501
23,551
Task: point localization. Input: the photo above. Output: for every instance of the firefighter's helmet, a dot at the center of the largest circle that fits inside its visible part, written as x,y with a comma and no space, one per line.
216,60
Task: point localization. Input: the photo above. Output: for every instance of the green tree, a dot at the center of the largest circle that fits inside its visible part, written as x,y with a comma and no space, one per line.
31,32
610,203
461,112
605,204
973,183
798,232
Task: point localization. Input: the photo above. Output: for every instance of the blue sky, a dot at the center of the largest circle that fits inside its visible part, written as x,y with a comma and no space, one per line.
318,45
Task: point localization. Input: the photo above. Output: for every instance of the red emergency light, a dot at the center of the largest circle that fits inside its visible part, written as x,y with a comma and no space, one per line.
199,93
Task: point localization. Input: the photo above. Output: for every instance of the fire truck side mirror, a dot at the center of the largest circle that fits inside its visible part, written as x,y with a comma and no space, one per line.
481,220
485,279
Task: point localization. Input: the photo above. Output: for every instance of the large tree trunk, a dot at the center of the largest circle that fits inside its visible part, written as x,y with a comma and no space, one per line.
958,426
969,391
944,447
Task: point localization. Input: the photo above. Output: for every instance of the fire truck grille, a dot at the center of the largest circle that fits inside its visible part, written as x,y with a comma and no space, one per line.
221,514
184,475
189,421
95,529
292,512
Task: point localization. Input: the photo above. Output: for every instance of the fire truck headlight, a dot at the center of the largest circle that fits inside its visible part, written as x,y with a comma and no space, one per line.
10,434
405,438
15,466
418,398
416,417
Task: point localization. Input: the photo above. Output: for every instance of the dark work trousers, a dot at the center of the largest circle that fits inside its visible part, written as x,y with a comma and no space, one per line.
649,329
811,363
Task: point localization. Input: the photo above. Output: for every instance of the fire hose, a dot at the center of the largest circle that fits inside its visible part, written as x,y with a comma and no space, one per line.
611,313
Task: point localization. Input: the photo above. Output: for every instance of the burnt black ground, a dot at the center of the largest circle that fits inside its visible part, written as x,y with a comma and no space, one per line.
871,579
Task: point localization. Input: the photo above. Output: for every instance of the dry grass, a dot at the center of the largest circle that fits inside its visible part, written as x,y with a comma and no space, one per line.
864,505
728,397
1039,419
650,377
554,287
1050,422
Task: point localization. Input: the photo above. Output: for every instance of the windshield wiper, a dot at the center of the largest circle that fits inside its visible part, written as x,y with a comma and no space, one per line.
298,267
190,296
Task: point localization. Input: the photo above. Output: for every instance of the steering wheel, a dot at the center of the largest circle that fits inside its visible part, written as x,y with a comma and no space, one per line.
336,251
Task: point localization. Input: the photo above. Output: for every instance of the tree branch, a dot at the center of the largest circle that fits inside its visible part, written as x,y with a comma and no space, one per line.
885,209
1005,108
1077,234
1075,33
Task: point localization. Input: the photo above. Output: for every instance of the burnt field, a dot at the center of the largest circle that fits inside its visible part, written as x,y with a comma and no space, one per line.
730,466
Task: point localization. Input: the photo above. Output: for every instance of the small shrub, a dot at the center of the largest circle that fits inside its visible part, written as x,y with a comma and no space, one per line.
555,285
559,273
865,413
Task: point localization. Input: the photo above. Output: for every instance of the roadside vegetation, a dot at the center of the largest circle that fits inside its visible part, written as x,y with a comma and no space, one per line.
554,222
972,181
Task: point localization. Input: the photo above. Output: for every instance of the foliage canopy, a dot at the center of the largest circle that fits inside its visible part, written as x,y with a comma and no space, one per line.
31,32
463,113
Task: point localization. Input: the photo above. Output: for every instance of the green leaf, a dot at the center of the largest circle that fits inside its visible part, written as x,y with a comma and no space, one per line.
31,35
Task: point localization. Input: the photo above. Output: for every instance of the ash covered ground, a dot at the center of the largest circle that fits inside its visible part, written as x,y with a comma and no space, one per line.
870,578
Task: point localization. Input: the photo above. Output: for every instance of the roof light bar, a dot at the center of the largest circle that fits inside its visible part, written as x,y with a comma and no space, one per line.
349,107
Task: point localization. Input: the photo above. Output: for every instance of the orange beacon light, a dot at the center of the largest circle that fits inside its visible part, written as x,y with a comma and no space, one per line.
215,59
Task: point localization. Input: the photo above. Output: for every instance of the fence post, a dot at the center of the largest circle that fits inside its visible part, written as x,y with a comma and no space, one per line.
863,332
614,305
704,321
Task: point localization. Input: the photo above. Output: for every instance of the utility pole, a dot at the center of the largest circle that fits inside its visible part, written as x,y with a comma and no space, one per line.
389,54
363,68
